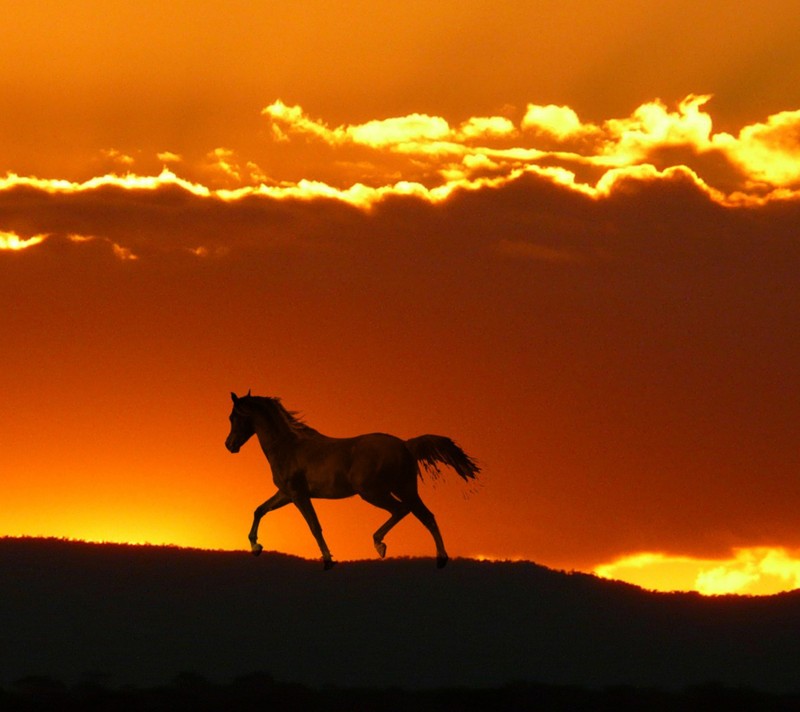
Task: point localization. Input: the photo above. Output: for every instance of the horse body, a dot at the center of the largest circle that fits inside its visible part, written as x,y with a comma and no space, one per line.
334,468
382,469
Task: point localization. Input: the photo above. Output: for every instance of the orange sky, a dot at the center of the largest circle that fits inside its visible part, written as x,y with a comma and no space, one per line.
562,233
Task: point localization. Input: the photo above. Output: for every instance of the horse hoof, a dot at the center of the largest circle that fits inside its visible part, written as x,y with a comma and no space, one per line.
256,549
381,548
441,562
328,564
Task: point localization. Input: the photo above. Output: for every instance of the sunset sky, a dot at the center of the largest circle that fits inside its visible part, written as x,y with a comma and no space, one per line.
566,234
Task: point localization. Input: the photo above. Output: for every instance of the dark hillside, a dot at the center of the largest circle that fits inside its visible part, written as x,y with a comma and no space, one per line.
141,615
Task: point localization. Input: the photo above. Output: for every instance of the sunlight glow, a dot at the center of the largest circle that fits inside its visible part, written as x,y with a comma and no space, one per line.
146,524
495,558
749,571
12,241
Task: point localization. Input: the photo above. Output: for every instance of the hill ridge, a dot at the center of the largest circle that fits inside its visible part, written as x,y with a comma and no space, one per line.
143,614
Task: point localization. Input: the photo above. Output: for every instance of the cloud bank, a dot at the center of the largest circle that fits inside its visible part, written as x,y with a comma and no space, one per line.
595,167
759,163
430,158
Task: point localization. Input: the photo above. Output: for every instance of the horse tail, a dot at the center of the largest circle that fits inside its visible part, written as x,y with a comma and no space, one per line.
431,450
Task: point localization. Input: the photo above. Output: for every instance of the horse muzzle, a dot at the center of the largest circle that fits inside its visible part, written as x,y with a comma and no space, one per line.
232,445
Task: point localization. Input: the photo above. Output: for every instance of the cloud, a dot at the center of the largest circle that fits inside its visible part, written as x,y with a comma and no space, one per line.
561,122
129,181
286,120
365,163
480,127
427,156
652,125
169,157
123,253
768,152
9,240
414,130
224,159
538,252
226,164
197,213
118,157
120,252
760,163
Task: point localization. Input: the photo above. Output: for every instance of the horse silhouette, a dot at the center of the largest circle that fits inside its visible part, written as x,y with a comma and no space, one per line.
382,469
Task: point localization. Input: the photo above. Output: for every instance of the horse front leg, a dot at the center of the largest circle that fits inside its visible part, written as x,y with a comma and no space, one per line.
278,500
303,503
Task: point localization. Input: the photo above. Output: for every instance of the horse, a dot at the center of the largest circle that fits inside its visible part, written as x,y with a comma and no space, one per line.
382,469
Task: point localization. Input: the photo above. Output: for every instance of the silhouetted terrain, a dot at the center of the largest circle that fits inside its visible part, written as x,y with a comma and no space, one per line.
109,615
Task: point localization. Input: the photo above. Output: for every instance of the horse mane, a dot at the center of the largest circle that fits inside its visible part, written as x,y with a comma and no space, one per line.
282,416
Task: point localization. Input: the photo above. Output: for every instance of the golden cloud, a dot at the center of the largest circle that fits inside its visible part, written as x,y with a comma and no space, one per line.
410,133
225,160
9,240
652,126
119,251
427,159
169,157
762,162
768,152
118,157
487,126
400,131
561,122
129,181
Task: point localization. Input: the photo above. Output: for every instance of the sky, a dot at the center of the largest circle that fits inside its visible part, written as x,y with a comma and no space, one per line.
562,233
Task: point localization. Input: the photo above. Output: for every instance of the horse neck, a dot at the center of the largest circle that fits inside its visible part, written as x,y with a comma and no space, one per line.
270,432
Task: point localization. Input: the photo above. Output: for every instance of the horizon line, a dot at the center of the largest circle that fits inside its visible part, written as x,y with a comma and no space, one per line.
475,558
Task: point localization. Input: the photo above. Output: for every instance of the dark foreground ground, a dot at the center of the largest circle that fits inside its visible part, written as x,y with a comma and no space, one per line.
120,627
260,692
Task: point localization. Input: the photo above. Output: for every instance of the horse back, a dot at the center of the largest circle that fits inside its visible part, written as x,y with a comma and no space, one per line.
333,468
381,461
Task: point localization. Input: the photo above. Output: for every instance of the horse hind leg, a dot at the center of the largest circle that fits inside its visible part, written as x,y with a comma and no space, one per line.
421,512
398,510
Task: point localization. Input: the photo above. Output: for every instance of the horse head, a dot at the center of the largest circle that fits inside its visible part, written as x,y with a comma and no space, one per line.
242,428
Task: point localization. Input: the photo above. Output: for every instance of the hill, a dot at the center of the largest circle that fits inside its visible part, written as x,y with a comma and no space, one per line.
142,615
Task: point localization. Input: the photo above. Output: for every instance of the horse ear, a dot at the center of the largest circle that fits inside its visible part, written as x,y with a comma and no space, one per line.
248,392
234,397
